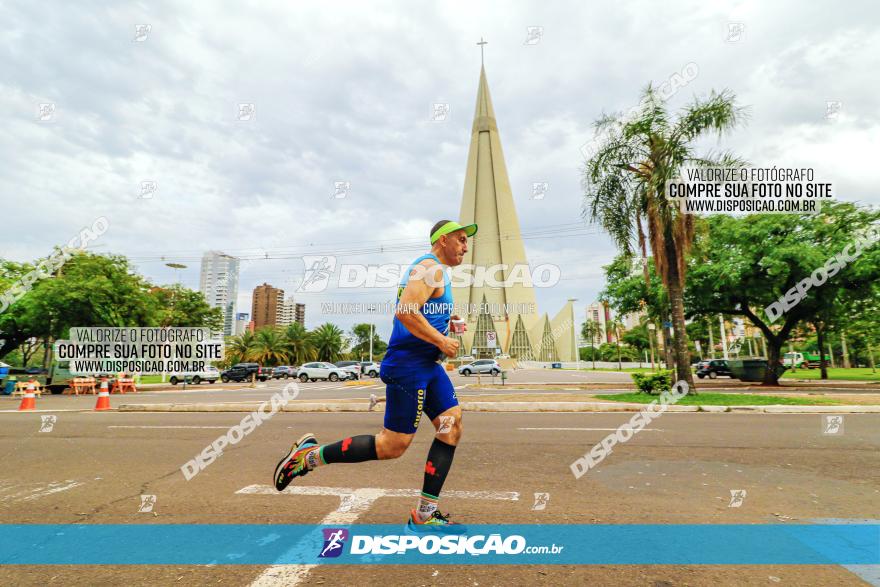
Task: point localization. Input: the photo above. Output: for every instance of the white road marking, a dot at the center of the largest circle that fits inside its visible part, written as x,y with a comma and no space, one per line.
344,491
41,490
352,503
54,488
596,429
45,411
175,427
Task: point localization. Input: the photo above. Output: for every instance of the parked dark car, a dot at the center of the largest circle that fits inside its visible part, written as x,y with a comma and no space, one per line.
283,372
713,369
243,372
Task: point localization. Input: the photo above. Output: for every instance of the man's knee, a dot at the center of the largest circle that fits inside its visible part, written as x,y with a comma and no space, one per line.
392,447
450,427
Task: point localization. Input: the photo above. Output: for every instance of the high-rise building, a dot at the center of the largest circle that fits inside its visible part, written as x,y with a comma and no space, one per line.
633,319
242,320
218,282
267,305
599,313
501,319
292,312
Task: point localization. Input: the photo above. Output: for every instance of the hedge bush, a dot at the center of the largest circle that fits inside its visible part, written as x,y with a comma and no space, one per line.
653,383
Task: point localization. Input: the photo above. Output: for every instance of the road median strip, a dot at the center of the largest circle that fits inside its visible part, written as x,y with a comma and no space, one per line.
469,406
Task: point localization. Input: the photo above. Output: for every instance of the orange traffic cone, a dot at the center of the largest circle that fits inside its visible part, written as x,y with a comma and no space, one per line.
103,398
29,401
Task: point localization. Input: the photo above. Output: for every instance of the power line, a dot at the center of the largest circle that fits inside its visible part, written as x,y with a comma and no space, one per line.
552,231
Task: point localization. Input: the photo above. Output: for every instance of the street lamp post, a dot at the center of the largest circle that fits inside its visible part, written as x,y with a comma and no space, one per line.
177,267
371,333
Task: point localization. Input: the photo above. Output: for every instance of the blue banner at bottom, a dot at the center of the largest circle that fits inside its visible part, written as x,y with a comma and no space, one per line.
267,544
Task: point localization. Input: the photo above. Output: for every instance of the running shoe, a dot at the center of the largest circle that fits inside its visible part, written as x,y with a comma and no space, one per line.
437,524
294,464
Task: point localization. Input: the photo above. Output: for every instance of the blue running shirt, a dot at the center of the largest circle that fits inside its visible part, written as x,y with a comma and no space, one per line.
406,348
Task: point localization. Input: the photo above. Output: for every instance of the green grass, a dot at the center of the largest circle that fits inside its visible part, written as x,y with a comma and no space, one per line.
154,378
723,399
838,374
635,370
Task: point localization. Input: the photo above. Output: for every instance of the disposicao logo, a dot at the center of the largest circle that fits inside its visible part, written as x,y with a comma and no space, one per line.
334,541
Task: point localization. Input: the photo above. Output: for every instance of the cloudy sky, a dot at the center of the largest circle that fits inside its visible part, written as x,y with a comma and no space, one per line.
345,93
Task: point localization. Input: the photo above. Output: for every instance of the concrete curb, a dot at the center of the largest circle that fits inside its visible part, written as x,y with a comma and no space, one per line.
822,409
243,407
714,408
563,407
505,407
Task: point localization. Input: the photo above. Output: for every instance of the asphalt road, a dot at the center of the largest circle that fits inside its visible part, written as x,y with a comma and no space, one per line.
311,391
94,468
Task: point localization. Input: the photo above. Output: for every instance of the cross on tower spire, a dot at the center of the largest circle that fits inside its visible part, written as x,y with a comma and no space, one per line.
481,43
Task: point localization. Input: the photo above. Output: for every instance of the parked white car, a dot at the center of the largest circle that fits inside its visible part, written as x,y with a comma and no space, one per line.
490,366
352,367
326,371
210,374
371,369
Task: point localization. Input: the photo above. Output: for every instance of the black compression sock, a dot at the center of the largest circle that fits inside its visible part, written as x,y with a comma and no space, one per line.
355,449
437,467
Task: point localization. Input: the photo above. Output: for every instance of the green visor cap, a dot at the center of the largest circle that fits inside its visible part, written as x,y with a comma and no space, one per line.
470,230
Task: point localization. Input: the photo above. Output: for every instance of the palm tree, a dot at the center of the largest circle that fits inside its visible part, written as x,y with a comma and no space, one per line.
269,347
328,342
625,185
299,344
239,346
591,331
614,326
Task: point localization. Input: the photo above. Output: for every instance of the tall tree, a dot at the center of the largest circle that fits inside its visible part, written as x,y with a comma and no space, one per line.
238,347
299,344
269,347
360,339
591,330
638,339
625,185
733,276
628,293
177,305
88,290
328,341
616,326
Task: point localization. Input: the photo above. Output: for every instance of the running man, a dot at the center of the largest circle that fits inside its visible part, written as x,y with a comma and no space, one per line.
416,383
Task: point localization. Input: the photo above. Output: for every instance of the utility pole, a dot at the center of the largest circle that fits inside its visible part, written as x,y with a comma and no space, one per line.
371,333
574,342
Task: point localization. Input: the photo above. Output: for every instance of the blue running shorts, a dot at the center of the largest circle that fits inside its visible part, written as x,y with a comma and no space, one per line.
413,389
